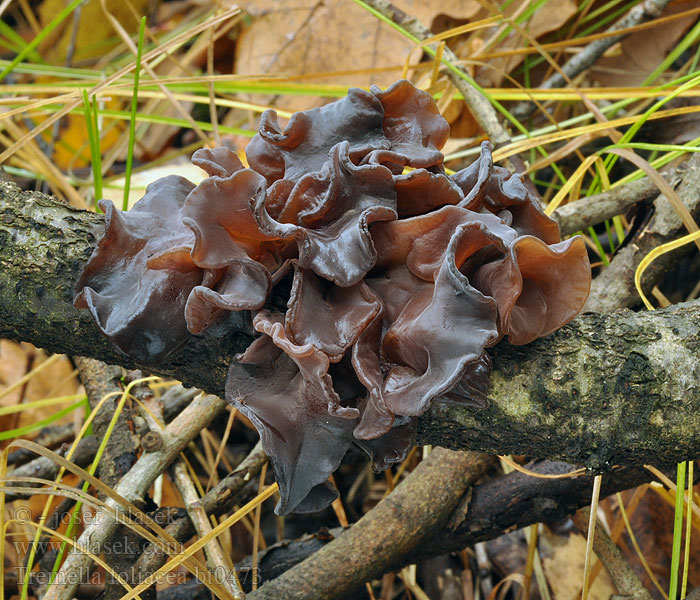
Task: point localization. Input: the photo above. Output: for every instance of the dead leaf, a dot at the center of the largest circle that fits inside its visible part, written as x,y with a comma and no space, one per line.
426,12
652,524
307,37
53,381
564,568
95,35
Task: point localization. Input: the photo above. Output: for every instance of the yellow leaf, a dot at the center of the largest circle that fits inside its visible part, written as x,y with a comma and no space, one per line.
95,36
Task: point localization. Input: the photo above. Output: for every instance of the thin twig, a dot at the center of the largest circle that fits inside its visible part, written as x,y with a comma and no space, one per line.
222,497
647,10
614,287
622,575
133,486
44,468
502,504
216,560
586,212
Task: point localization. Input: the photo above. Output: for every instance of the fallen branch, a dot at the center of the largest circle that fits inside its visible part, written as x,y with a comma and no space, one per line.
119,455
484,512
396,527
48,437
606,389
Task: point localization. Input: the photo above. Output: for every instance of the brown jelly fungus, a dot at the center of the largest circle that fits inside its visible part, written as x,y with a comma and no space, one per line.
396,277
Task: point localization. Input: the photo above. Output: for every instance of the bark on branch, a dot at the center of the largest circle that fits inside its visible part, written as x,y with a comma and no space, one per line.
619,388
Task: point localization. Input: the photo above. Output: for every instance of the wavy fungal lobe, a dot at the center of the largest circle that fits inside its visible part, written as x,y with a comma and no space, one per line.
373,280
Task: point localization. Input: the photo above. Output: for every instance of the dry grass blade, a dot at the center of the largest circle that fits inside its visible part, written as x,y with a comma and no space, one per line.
137,481
587,39
120,511
477,72
637,549
540,140
256,527
185,114
76,99
515,466
177,560
24,379
215,555
593,510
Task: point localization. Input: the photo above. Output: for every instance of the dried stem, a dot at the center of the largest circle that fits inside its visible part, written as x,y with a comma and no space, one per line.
216,559
132,487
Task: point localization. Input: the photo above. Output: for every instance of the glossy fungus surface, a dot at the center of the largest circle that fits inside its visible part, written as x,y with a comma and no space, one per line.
374,280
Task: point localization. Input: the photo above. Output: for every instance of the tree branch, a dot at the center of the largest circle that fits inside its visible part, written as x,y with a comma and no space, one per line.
399,525
44,246
482,513
619,388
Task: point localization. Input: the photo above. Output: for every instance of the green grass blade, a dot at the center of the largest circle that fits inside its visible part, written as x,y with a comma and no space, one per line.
688,529
677,532
132,121
617,224
97,159
57,71
20,431
174,121
13,37
599,246
91,111
92,469
679,49
611,241
609,18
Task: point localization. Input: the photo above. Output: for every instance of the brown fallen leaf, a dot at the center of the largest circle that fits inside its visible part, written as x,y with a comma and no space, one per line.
563,558
652,524
426,12
307,37
55,380
333,36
